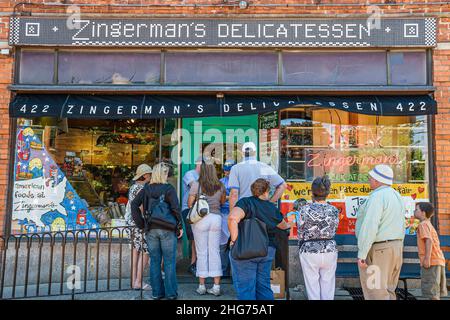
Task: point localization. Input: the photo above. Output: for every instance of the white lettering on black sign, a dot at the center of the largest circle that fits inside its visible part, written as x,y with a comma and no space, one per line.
223,33
211,107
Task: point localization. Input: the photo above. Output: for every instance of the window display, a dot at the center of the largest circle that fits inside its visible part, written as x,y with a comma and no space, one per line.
75,174
346,146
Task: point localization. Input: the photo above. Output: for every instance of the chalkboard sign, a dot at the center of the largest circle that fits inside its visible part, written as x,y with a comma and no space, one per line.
269,120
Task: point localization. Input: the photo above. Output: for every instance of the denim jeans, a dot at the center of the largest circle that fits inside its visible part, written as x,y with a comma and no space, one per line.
162,244
225,259
251,278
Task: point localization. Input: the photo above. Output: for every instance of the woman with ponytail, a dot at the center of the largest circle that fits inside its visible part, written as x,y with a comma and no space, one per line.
317,248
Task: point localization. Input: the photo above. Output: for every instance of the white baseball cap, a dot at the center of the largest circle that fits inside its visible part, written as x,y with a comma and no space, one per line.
248,146
383,174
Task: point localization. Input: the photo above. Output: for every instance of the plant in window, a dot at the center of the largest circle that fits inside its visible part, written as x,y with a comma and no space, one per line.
352,136
417,165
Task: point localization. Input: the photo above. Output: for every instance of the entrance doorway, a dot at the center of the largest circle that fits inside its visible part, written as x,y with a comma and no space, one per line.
219,137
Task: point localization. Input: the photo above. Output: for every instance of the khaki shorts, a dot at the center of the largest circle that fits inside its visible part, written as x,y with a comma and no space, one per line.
434,284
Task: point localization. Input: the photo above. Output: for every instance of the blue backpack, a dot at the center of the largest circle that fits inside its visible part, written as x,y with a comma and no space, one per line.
159,213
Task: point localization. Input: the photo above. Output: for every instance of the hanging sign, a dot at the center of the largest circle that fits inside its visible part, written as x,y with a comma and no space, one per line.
348,197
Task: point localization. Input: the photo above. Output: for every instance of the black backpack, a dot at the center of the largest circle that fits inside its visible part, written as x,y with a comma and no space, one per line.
159,214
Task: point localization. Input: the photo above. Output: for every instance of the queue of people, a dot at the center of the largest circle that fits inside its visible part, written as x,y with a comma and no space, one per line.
242,206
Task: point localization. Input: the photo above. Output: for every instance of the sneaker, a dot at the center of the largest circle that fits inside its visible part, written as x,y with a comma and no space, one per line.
201,290
147,287
215,290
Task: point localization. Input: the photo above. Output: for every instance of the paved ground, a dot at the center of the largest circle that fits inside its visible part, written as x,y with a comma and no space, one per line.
299,293
186,282
186,292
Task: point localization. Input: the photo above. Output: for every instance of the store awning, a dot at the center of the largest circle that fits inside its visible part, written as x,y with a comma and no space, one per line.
184,106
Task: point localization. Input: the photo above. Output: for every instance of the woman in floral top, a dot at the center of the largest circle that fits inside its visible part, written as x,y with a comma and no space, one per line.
317,249
140,249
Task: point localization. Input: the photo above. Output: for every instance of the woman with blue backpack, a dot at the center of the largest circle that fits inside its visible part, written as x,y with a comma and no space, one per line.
162,223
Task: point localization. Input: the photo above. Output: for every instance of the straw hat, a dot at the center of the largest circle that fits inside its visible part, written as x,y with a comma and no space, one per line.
141,170
382,173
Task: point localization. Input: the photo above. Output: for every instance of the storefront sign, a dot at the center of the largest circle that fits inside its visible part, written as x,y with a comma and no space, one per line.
417,32
345,161
339,191
348,197
353,164
150,107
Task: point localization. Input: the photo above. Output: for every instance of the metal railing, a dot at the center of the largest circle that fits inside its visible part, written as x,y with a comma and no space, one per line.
66,263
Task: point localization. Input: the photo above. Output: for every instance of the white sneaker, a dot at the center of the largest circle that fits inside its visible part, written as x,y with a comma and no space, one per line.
215,290
201,290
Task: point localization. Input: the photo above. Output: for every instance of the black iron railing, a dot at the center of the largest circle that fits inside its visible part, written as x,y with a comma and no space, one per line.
66,263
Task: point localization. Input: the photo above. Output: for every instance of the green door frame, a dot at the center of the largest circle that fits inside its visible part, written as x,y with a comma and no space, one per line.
197,127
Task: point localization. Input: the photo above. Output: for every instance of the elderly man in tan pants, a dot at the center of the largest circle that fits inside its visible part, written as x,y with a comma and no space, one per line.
380,229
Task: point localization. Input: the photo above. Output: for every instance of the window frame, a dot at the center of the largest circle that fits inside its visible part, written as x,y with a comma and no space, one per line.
279,86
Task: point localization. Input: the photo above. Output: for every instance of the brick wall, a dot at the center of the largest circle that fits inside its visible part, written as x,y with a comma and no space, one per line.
327,8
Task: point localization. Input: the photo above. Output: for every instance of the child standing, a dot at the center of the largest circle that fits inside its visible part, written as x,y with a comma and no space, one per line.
432,261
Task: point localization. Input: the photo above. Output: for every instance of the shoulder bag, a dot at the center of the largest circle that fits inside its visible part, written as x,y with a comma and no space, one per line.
199,210
252,241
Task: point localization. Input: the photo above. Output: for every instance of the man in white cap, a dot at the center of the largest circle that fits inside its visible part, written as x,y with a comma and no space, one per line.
243,174
380,229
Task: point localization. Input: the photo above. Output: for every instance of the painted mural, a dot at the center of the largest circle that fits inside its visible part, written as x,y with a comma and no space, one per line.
43,198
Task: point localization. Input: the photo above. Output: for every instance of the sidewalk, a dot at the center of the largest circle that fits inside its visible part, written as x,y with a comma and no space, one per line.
186,291
299,293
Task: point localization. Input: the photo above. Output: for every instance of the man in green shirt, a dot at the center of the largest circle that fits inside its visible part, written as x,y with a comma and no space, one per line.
380,230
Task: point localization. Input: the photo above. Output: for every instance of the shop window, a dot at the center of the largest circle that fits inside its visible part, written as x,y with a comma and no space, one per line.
269,139
75,174
119,68
346,146
334,68
408,68
37,67
221,68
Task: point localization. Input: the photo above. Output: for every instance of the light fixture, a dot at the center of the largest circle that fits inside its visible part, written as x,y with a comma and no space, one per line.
5,49
243,4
